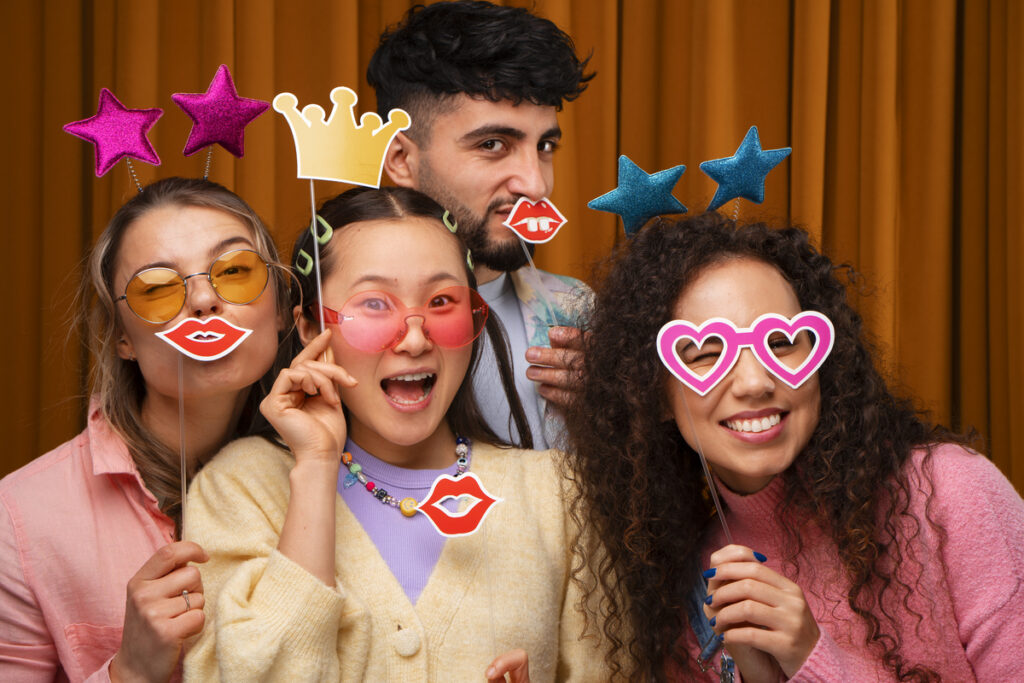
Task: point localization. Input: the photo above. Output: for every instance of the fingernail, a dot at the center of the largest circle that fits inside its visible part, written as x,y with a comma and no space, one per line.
760,557
532,355
531,373
712,622
490,673
707,600
709,573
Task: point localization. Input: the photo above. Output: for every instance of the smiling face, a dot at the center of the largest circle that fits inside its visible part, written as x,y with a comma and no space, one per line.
478,158
404,391
751,426
188,239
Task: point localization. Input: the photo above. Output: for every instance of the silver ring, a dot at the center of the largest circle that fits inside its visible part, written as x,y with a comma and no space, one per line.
188,605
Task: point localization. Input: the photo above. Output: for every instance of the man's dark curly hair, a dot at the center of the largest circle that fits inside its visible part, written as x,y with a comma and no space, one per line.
641,490
476,48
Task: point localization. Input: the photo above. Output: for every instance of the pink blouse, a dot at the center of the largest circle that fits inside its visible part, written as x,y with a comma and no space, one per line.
75,526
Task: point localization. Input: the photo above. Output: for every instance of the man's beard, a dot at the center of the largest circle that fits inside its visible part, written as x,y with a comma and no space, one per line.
486,251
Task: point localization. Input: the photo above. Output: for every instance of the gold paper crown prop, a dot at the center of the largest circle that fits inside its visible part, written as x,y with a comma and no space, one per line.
338,148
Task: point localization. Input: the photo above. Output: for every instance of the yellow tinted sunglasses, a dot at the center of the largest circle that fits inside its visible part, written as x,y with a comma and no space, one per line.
157,294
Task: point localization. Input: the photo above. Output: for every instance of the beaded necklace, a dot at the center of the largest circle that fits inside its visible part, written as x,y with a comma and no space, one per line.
407,506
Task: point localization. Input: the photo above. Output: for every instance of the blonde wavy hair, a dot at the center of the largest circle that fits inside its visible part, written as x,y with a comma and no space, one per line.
117,383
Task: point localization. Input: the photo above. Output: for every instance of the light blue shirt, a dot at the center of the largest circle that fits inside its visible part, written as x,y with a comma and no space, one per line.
500,295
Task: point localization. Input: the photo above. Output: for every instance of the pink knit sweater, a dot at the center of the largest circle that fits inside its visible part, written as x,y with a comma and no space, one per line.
971,591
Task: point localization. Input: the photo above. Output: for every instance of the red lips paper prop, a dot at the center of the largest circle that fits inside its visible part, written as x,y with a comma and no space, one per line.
457,523
207,339
535,222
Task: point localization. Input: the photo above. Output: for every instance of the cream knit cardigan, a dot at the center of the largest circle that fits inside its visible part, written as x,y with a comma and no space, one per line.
506,586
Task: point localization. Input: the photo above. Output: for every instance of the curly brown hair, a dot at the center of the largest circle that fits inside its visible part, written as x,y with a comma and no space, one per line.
640,488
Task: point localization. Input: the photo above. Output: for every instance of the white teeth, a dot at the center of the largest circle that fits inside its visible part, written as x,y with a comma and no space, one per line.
413,377
412,402
755,425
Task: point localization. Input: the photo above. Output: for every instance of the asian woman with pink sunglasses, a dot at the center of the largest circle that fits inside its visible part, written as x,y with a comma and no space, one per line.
337,553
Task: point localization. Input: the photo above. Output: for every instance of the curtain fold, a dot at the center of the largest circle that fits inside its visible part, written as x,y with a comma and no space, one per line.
904,118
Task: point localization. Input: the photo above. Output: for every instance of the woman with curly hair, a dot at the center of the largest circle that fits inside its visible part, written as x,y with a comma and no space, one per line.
870,543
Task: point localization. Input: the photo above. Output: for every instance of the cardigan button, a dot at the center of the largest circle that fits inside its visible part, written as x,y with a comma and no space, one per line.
406,642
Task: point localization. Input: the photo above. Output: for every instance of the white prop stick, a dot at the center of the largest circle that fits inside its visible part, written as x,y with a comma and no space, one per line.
204,340
316,255
544,292
536,222
707,475
181,442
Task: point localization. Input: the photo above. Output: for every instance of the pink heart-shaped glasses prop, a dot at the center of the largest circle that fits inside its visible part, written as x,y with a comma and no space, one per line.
755,337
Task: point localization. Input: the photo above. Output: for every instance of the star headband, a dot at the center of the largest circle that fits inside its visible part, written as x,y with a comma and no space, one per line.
219,116
641,195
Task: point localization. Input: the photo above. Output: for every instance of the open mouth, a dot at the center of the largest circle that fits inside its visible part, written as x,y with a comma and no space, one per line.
410,389
755,425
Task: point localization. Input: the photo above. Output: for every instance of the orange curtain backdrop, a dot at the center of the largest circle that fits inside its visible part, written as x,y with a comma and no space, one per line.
904,118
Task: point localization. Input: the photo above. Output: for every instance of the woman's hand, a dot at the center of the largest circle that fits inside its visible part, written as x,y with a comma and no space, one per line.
157,618
304,406
515,663
763,616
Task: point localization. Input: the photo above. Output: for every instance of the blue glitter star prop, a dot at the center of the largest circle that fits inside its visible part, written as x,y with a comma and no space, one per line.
640,195
742,174
219,115
116,132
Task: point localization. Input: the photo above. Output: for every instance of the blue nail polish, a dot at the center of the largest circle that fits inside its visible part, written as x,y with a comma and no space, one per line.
760,557
712,622
709,573
707,600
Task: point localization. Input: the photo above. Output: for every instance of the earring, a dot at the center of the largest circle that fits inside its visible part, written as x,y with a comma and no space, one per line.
131,354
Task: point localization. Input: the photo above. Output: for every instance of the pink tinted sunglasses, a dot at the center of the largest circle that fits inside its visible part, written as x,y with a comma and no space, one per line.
374,321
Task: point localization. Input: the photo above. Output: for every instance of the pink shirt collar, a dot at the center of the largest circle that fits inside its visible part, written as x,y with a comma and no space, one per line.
109,453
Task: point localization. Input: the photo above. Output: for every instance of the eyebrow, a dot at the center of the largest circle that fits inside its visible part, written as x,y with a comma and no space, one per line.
215,251
442,276
490,129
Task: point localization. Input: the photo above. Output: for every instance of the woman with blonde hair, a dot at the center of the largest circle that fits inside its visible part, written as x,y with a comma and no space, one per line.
102,512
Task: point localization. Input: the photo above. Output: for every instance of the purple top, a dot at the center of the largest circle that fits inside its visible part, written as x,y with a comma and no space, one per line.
411,546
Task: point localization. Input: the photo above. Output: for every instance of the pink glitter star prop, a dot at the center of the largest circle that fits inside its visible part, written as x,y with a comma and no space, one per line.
220,115
117,132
